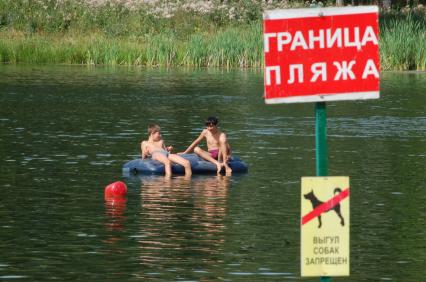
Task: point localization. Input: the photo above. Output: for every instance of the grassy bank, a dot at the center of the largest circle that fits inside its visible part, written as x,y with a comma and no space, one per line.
73,32
231,47
403,42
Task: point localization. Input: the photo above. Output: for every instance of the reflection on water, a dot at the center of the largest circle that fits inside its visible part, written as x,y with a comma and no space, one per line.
191,212
115,223
115,208
211,203
66,131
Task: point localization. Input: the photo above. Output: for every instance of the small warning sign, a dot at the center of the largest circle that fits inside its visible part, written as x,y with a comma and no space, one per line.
325,226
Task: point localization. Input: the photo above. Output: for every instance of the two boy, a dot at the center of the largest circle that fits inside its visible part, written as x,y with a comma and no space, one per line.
218,149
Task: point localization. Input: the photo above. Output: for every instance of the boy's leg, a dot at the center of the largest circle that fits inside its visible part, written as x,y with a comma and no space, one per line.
183,162
225,155
206,155
164,160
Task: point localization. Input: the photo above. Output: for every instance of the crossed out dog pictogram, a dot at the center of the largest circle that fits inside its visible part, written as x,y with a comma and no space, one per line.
319,207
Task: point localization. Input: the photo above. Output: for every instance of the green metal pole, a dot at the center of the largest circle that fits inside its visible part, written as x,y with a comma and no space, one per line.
321,149
321,152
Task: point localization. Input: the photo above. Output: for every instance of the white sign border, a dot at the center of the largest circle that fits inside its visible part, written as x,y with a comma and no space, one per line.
325,97
315,12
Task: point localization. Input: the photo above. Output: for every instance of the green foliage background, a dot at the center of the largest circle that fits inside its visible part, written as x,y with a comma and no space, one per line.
225,34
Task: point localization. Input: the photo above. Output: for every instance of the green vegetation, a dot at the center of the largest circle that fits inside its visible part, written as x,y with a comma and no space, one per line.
403,42
166,33
230,47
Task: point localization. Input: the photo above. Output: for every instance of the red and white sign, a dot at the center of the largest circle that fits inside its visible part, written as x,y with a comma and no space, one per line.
321,54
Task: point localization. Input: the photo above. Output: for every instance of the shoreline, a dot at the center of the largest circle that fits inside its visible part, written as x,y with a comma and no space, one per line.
219,37
240,47
258,69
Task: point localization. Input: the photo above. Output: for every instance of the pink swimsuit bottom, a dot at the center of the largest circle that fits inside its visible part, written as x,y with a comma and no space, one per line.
214,153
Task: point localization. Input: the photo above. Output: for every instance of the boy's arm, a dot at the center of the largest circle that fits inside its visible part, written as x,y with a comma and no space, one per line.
167,148
195,143
144,150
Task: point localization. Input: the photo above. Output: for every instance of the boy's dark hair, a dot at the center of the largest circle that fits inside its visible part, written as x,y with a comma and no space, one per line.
152,128
212,120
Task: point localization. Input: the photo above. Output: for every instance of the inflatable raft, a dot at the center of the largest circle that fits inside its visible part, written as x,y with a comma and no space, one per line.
198,165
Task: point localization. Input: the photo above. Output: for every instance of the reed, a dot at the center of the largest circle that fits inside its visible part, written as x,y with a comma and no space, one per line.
70,32
231,47
402,43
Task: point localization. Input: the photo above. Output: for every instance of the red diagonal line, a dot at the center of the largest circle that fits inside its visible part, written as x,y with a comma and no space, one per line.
325,206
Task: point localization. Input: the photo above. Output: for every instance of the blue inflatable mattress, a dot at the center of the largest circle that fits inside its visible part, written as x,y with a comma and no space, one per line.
198,165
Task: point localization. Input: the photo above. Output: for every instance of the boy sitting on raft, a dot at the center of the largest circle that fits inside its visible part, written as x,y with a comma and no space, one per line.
217,145
155,148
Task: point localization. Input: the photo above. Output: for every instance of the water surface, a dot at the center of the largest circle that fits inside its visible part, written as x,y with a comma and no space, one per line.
66,131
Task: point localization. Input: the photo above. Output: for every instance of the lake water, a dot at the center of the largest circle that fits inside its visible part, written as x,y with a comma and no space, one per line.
66,132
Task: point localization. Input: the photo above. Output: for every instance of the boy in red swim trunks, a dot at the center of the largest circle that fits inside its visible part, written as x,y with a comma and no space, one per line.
217,146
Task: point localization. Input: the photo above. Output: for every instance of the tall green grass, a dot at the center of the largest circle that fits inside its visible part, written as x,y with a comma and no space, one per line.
70,32
232,47
403,43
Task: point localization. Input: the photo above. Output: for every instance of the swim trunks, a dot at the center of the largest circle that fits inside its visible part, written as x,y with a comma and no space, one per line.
160,151
214,153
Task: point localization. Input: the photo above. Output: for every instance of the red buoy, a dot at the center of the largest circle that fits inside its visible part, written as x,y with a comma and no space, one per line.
116,189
